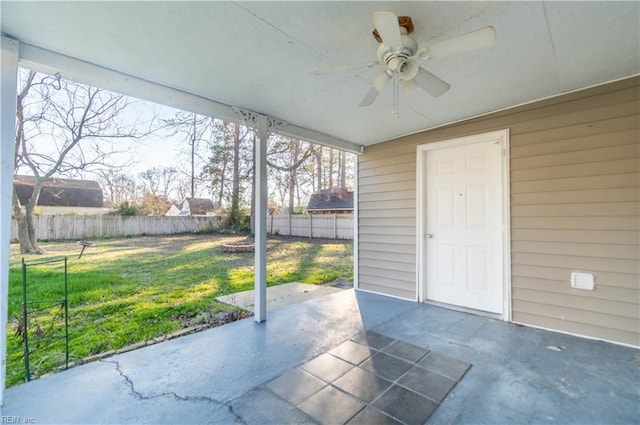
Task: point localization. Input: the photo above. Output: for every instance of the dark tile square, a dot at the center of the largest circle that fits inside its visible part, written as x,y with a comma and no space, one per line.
405,405
387,366
373,339
444,365
427,383
261,406
362,384
409,352
372,416
331,406
353,352
296,385
327,367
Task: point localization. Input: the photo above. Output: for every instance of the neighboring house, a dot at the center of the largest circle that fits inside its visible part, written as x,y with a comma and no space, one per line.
197,206
505,209
173,211
62,196
331,201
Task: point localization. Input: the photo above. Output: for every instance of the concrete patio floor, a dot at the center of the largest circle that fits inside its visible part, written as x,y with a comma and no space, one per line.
231,374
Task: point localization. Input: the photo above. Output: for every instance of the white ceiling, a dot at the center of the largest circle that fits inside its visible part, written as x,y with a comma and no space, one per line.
260,55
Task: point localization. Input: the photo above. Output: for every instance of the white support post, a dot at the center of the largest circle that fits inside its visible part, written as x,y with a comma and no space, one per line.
260,158
8,90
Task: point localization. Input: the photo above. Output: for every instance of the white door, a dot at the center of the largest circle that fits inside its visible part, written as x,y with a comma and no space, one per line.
463,226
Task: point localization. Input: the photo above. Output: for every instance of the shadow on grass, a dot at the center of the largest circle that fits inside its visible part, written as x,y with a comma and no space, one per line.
127,291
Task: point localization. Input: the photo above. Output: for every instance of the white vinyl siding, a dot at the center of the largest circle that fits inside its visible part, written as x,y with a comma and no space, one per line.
575,198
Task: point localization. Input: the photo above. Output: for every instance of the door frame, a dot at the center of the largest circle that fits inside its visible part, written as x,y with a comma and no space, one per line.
501,136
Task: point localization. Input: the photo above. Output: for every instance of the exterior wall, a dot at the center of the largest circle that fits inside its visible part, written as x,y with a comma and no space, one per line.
574,207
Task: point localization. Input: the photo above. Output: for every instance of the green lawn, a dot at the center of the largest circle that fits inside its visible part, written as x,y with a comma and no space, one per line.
125,291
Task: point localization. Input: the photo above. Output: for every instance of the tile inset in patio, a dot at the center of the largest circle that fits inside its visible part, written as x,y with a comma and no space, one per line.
362,384
327,367
427,383
296,385
373,339
405,405
352,352
331,406
404,350
387,366
393,386
372,416
444,365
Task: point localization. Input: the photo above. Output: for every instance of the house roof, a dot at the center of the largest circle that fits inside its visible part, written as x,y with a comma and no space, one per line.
259,56
58,192
331,199
200,206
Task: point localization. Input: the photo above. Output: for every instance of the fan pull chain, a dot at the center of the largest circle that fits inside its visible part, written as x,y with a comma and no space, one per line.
396,95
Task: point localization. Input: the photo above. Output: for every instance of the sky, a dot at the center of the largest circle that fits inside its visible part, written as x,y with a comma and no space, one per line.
158,150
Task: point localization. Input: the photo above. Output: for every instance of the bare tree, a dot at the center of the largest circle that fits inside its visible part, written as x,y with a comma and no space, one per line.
64,126
288,155
319,176
160,181
198,132
330,172
343,170
117,187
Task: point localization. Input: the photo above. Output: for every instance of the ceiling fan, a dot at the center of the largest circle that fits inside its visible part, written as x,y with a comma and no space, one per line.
400,54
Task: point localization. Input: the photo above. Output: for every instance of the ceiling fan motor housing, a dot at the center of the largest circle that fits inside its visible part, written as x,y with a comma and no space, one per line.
397,60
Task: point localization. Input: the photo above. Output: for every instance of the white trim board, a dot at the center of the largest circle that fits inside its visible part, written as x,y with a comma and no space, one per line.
503,137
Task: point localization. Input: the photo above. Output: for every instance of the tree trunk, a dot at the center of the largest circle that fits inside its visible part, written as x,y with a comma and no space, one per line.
26,227
293,173
343,170
330,168
319,169
235,184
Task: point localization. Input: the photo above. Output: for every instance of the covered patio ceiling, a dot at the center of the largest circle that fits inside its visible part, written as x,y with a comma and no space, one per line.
260,56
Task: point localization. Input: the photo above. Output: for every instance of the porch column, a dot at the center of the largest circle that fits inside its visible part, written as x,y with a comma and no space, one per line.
8,90
260,158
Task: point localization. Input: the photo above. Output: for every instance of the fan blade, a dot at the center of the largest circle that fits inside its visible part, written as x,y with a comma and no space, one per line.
381,81
387,25
344,67
370,97
407,86
479,39
430,83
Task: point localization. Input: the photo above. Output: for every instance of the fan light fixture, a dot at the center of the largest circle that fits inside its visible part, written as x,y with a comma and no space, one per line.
400,54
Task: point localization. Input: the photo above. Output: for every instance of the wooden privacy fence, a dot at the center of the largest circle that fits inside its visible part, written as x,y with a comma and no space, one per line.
332,226
102,226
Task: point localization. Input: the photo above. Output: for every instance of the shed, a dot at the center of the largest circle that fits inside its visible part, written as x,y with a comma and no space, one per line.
331,201
172,211
197,206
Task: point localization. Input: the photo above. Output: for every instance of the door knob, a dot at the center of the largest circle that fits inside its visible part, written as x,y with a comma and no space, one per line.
428,236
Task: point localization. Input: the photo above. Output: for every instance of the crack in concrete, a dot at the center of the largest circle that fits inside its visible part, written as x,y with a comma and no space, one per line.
173,394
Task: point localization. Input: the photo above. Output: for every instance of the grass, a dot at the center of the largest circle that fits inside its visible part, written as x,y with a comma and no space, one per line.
126,291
